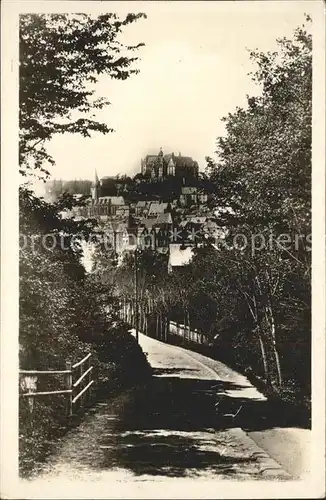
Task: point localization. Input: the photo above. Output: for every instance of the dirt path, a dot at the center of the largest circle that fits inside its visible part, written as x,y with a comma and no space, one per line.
180,427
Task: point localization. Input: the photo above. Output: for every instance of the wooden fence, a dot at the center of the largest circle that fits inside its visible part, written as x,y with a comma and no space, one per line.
187,333
78,381
163,327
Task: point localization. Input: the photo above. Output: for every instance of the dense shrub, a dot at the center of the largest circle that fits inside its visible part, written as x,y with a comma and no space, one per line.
64,315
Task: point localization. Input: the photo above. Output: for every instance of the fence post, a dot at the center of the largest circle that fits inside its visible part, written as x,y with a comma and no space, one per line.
32,388
82,385
89,392
69,386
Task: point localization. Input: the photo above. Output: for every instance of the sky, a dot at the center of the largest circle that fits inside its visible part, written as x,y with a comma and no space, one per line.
193,71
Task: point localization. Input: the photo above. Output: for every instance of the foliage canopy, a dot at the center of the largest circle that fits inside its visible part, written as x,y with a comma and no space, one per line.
62,57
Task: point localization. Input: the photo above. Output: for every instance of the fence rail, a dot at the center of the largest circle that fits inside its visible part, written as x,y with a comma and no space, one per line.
45,393
82,377
81,361
42,372
187,333
82,392
161,326
78,390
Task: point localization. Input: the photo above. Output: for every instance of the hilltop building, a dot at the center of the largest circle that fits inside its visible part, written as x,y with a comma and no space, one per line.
162,166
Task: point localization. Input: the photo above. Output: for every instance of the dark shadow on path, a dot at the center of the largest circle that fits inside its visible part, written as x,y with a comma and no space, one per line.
170,455
288,413
156,429
171,371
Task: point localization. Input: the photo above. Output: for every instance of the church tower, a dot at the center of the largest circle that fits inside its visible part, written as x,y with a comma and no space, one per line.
160,172
95,188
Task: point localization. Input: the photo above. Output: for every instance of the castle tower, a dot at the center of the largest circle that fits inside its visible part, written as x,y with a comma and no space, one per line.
95,187
171,165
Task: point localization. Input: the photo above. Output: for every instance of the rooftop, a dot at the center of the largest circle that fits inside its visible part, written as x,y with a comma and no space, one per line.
141,203
164,218
106,200
148,223
188,190
180,161
157,207
197,220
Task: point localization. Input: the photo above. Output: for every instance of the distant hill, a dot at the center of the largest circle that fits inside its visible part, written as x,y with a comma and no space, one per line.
56,187
132,189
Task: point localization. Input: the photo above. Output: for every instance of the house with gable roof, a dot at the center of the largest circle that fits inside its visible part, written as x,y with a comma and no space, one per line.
188,196
156,208
155,232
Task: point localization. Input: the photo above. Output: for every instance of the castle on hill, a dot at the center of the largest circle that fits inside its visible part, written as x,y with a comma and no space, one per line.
162,166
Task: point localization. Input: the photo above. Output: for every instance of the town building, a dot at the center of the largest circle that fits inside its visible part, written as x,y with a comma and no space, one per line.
154,233
188,196
191,195
141,208
156,208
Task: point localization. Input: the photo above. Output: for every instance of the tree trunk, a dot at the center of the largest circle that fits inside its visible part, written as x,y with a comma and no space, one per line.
263,355
129,313
133,313
161,327
184,323
165,328
141,316
271,322
157,320
146,318
188,321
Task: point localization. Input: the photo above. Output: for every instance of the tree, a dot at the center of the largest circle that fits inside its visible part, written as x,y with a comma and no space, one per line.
263,170
262,180
153,287
61,59
55,325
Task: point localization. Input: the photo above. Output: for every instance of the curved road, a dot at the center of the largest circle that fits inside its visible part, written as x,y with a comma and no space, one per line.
186,425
